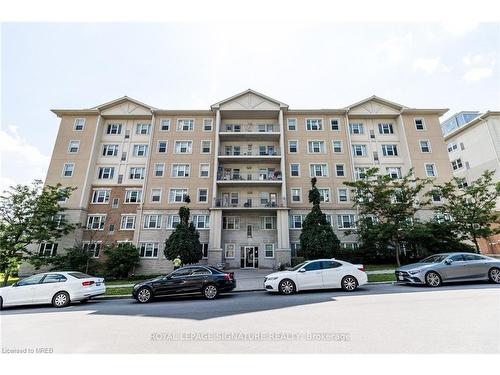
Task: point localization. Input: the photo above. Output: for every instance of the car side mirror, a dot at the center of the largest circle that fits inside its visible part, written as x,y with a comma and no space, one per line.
15,284
302,270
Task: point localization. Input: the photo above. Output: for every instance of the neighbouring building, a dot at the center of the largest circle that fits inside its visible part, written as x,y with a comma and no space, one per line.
457,120
246,162
473,148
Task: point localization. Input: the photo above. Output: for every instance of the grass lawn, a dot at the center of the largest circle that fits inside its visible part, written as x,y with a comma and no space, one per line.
119,291
376,267
130,280
381,277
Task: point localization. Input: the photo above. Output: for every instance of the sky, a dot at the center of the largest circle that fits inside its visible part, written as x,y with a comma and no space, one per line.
193,65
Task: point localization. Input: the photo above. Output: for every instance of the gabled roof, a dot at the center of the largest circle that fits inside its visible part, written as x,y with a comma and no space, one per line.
248,91
378,99
123,99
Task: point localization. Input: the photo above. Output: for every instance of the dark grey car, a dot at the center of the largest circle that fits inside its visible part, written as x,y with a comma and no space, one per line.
450,267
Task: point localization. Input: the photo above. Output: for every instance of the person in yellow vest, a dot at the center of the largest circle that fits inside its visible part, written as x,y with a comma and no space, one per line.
177,262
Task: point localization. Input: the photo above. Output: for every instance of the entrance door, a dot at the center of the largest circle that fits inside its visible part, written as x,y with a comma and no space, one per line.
251,257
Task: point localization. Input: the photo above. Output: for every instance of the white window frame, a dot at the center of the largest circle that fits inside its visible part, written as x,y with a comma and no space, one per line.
158,146
114,128
264,220
309,122
294,120
341,146
358,171
96,196
293,222
205,121
296,145
165,120
198,195
227,248
324,170
76,124
155,190
147,221
338,124
343,170
184,167
139,127
171,220
352,221
392,147
178,147
291,175
205,220
145,247
180,124
452,146
42,248
398,170
346,195
101,221
321,146
132,175
210,147
356,128
364,151
201,169
87,245
139,149
128,194
424,127
434,169
428,146
292,195
235,222
383,126
266,250
107,147
175,191
124,222
328,197
71,144
68,167
157,170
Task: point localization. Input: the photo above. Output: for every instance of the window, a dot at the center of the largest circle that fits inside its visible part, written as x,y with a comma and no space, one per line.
457,164
127,222
356,128
425,146
79,124
140,150
318,170
177,195
183,147
159,169
324,195
360,172
229,250
204,250
349,245
339,170
294,248
389,150
313,266
115,203
137,173
32,280
419,124
235,198
314,124
68,169
337,146
180,170
201,221
173,221
346,221
114,129
162,147
268,222
93,248
185,125
269,250
385,128
394,172
292,124
335,125
101,196
296,221
231,222
296,195
106,173
48,249
343,195
430,170
207,125
206,147
164,125
293,147
133,196
143,129
110,150
73,147
155,195
204,170
359,150
436,197
452,146
316,147
152,221
202,195
295,170
54,278
148,250
96,222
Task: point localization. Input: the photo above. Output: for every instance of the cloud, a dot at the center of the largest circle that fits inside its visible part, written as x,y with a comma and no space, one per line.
393,50
478,67
458,26
430,65
20,161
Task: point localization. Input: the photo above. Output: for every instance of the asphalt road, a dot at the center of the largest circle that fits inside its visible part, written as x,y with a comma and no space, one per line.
380,318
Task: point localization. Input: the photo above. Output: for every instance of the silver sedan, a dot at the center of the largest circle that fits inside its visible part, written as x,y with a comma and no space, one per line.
450,267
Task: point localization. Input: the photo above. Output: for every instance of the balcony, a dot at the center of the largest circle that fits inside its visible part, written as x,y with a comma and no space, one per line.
253,155
237,178
249,131
224,204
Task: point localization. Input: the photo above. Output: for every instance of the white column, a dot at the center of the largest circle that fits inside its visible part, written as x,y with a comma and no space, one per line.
282,253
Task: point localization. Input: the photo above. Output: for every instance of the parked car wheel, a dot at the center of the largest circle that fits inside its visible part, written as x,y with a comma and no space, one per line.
432,279
210,291
287,286
349,283
144,295
60,299
494,275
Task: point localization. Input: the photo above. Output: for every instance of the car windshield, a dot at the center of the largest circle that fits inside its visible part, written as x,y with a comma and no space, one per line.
434,259
79,275
298,266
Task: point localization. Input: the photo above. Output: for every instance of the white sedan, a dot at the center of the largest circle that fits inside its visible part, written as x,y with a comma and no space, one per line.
317,274
57,288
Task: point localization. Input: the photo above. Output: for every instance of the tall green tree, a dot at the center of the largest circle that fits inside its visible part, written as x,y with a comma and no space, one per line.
184,240
30,214
389,204
317,239
120,259
472,207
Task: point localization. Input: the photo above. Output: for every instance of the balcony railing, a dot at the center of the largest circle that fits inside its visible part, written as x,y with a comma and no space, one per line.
255,152
250,176
250,128
249,203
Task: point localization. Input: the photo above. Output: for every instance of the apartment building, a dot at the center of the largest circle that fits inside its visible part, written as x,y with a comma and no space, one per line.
246,163
473,148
